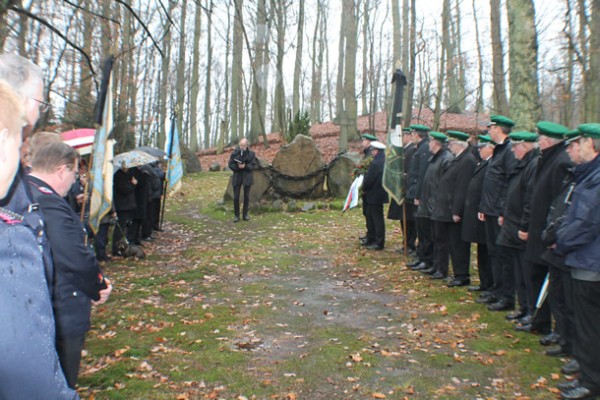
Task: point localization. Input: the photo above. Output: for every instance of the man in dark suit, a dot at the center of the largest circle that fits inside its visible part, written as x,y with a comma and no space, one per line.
473,230
406,213
78,279
242,161
375,197
449,207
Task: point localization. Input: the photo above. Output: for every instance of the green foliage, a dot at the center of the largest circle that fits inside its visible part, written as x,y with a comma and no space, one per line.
300,125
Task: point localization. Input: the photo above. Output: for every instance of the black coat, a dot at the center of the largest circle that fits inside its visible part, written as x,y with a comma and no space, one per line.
437,164
552,169
395,211
473,230
452,188
123,191
518,201
372,186
77,275
493,193
418,167
242,176
141,193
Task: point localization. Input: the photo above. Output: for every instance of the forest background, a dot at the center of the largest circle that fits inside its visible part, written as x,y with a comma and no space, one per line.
233,68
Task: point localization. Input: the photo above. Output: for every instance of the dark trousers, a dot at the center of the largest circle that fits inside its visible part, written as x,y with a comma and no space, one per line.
523,285
236,199
411,233
425,235
460,251
441,246
536,273
561,307
504,279
101,240
484,269
122,229
491,235
69,355
375,224
151,221
586,307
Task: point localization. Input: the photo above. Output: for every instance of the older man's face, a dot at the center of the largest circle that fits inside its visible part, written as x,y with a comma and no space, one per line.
244,144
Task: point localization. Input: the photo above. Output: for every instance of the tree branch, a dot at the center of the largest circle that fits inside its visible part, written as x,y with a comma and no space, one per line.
128,7
114,21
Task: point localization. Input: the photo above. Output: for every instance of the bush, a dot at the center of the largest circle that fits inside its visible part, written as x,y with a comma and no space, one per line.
300,125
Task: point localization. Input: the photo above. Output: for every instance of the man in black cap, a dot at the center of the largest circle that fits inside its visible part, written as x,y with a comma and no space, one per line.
493,196
416,177
375,197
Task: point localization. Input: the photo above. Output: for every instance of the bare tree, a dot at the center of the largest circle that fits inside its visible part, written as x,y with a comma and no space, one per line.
195,84
298,63
500,102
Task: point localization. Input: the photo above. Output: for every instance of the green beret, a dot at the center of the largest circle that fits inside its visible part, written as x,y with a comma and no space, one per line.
552,130
368,136
571,136
439,136
419,127
501,120
406,130
486,139
457,135
523,136
591,130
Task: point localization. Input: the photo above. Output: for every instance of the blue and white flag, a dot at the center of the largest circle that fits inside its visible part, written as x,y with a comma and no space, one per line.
175,166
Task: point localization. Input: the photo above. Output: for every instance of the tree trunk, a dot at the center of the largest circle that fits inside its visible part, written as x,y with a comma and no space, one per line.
410,77
165,87
317,67
339,86
592,104
279,120
298,63
500,104
195,84
437,112
366,50
479,97
397,39
181,82
260,73
208,81
524,99
236,73
349,87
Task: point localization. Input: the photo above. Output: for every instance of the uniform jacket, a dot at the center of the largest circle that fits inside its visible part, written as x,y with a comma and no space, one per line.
518,201
242,176
29,366
123,191
473,230
418,167
452,188
77,275
551,171
578,237
437,165
372,187
495,183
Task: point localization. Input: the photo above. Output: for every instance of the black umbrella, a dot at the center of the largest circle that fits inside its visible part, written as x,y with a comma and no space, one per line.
153,151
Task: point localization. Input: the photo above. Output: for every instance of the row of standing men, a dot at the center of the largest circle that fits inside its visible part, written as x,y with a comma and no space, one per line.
512,194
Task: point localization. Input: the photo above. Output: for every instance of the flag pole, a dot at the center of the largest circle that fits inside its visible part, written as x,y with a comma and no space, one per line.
169,155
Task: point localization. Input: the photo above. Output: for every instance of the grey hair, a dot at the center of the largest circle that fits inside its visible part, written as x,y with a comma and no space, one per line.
20,73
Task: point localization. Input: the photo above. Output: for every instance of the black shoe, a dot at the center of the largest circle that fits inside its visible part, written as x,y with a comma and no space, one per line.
236,219
474,289
438,275
459,282
515,315
374,246
486,299
550,339
414,262
579,393
568,385
557,351
148,239
429,271
246,218
531,329
570,368
526,320
501,305
418,267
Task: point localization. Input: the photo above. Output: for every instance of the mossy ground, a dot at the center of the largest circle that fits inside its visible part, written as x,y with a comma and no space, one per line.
288,306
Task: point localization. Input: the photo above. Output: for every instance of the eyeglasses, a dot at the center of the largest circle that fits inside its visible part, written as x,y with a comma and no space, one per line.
42,105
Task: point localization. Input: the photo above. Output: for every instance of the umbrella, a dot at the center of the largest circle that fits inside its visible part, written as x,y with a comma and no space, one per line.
153,151
543,294
80,139
133,158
